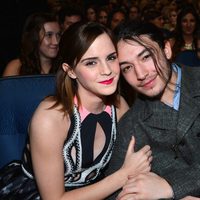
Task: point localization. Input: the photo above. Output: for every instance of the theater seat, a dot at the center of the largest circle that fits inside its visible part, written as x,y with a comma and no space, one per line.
188,58
19,97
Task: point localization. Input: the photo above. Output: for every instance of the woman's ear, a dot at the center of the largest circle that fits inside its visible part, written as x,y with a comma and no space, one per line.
168,50
68,70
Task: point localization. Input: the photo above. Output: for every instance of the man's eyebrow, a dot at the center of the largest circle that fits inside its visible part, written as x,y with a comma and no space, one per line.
140,54
122,63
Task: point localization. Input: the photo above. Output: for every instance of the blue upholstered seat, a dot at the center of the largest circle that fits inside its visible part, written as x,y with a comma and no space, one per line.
188,58
19,97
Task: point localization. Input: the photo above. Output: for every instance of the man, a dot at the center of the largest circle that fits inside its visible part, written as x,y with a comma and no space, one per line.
69,15
165,115
116,17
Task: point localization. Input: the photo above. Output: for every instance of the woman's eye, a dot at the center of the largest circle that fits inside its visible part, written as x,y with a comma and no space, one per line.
58,35
112,57
48,35
90,63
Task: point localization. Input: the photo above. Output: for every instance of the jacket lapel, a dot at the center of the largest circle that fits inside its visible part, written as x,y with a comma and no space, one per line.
189,103
160,116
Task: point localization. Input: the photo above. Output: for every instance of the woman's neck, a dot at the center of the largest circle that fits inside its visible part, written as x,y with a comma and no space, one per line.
46,65
188,39
93,105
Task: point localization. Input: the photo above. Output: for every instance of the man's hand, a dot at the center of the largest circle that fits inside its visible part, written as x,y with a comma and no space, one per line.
190,198
148,186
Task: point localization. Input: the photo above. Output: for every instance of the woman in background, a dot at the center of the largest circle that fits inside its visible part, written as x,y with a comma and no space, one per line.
185,31
39,46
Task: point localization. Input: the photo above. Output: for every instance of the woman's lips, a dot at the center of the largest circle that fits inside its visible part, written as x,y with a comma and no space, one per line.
107,82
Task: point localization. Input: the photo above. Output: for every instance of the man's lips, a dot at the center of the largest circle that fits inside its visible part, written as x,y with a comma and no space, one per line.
107,82
148,83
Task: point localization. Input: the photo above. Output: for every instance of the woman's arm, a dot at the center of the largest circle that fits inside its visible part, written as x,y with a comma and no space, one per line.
12,68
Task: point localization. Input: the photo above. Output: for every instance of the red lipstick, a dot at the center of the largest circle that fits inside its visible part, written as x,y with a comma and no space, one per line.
107,82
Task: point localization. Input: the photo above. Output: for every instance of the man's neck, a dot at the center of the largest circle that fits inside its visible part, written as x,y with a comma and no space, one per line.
168,95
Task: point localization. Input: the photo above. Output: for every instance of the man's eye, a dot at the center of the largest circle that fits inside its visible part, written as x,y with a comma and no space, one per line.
125,69
146,57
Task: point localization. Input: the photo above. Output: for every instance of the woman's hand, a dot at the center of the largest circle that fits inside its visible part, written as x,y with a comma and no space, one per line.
137,162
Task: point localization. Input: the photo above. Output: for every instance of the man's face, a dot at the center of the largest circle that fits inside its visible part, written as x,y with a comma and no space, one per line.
118,17
138,67
69,20
133,14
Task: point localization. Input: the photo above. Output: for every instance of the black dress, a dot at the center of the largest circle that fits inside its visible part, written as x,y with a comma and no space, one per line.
17,178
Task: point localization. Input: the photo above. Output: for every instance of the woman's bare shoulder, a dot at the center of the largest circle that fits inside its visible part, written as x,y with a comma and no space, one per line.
12,68
49,119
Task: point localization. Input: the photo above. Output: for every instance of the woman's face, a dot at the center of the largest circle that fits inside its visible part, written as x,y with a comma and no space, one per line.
97,72
50,38
188,24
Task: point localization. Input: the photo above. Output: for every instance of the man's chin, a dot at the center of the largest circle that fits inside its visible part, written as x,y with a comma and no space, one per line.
152,96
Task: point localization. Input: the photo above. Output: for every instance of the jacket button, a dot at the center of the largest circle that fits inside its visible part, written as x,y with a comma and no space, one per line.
198,134
182,142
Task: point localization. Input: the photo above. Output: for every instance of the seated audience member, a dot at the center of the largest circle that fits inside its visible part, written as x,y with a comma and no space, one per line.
91,13
190,57
185,31
71,134
134,12
165,116
102,15
171,18
69,15
116,17
155,17
39,46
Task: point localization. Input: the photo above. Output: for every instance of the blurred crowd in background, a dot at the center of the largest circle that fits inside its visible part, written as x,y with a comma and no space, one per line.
179,19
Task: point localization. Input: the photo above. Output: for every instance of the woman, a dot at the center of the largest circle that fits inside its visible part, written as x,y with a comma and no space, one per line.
72,134
185,31
39,46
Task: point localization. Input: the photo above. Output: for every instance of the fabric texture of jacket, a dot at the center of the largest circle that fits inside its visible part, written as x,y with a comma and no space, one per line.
174,136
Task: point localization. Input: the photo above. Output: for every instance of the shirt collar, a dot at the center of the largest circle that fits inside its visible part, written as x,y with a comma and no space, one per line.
176,100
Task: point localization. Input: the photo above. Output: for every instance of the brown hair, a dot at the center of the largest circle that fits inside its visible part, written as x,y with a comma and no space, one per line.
30,41
74,42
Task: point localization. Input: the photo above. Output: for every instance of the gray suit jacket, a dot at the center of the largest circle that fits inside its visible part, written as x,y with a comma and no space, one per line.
174,136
